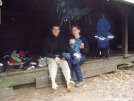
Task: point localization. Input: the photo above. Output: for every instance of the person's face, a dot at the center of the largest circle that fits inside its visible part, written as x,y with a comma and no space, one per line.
72,41
75,31
55,30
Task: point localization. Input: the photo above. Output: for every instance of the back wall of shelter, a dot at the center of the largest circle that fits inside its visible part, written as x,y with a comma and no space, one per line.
22,30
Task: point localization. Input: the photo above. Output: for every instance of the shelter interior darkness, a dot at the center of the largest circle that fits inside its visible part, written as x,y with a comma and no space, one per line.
25,23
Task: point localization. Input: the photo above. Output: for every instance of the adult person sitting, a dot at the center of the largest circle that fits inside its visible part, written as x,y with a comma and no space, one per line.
84,49
53,47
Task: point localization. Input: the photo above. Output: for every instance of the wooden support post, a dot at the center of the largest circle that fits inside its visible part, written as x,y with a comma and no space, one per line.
125,31
125,48
125,10
0,15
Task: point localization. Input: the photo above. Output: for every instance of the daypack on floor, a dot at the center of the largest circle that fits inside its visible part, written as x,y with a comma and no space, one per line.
18,56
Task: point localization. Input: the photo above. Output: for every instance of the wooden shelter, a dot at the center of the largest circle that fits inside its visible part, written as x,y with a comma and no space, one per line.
25,23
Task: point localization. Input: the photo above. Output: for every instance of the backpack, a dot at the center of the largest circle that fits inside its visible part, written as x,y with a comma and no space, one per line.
18,56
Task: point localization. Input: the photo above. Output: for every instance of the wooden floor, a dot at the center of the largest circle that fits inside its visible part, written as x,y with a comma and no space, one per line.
40,76
90,58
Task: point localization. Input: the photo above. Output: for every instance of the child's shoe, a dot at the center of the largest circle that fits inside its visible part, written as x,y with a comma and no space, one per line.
66,55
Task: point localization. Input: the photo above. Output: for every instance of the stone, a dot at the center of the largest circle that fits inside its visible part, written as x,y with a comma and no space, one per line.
6,92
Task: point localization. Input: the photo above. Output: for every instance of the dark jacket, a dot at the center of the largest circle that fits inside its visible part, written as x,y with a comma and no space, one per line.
83,51
54,46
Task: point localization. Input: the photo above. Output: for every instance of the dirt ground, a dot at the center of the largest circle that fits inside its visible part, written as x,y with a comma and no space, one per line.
118,86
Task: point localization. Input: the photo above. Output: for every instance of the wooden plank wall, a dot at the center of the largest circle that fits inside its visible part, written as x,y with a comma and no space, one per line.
22,30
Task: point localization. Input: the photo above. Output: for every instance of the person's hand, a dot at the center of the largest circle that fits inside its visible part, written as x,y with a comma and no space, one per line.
82,46
77,55
57,60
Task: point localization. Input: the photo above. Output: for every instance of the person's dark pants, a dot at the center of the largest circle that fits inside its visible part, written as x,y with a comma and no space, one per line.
76,68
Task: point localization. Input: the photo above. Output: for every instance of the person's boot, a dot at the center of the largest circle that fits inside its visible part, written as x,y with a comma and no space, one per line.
78,84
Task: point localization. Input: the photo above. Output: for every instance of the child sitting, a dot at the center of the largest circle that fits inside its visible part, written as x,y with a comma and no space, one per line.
75,45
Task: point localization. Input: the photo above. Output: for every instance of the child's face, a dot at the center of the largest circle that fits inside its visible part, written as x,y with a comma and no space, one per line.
72,41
